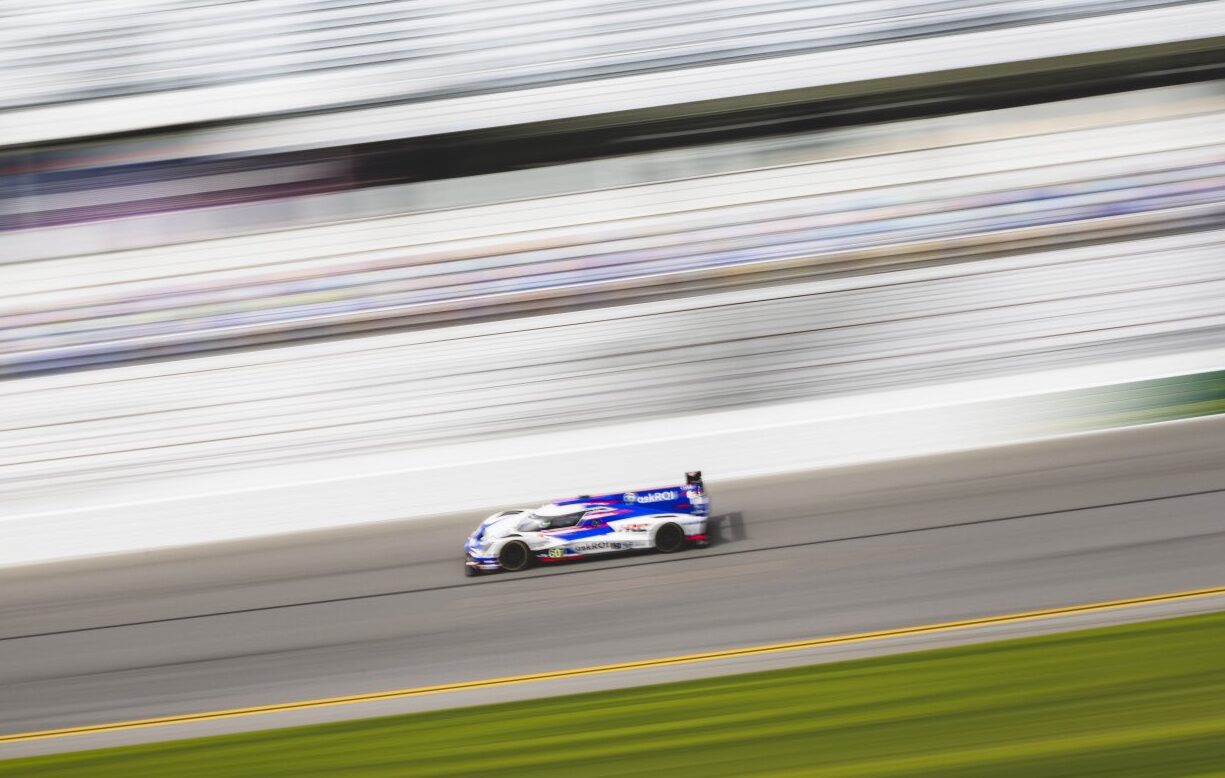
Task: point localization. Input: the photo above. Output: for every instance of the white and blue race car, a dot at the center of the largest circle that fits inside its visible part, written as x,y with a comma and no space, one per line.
665,519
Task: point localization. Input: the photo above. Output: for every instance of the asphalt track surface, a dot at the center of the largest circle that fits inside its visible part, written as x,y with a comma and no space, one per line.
1098,517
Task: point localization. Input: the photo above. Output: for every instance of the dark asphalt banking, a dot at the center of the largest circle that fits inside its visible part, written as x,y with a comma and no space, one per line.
1086,518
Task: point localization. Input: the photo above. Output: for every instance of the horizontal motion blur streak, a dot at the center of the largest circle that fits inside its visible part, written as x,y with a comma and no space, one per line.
623,666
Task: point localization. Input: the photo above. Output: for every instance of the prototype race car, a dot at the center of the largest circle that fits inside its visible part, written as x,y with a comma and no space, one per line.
665,519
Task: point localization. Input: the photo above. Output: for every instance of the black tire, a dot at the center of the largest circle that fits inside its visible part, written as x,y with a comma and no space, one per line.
515,556
669,538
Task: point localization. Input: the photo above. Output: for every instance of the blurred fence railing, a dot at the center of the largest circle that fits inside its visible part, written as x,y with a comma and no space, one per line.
416,69
170,191
1009,315
596,247
58,51
37,193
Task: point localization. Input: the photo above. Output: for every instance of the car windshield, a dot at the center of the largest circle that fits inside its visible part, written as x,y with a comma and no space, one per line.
536,521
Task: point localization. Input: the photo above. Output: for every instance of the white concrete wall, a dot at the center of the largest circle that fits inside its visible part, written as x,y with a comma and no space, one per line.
206,507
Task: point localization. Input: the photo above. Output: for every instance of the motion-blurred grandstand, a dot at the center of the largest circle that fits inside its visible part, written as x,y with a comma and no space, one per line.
182,178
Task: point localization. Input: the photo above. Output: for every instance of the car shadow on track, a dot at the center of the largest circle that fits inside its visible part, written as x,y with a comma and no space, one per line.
726,528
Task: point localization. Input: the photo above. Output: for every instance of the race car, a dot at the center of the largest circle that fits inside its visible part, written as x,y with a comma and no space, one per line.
665,519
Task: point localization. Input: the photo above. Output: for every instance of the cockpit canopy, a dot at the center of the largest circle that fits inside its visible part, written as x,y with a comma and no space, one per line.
551,517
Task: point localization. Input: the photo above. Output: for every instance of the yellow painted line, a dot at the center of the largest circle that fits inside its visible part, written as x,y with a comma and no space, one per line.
769,648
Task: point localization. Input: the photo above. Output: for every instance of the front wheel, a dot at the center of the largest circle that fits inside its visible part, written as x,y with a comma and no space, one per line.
514,556
669,538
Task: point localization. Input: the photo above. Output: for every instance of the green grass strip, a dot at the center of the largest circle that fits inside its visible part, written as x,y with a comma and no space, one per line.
1136,700
1162,399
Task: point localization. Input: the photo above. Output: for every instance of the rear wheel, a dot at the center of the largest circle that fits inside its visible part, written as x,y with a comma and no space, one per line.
670,537
514,556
